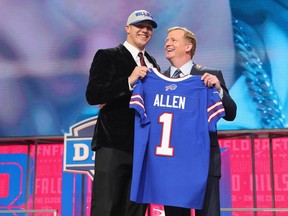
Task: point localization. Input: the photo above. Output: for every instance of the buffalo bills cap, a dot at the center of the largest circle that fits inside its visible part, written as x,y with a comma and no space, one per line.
139,16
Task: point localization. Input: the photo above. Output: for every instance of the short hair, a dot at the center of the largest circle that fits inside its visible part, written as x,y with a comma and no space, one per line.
189,36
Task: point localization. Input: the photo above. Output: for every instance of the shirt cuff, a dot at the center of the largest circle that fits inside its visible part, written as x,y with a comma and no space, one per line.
221,93
130,87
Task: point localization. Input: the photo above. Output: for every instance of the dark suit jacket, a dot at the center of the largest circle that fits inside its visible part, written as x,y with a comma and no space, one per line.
230,110
108,84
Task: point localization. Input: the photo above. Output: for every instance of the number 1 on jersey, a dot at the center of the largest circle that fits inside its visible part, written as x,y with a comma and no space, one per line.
164,148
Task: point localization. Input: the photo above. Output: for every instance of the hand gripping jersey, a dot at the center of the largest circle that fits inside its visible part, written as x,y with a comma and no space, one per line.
171,145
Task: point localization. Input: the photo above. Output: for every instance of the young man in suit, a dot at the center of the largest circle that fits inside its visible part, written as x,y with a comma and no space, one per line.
180,48
113,73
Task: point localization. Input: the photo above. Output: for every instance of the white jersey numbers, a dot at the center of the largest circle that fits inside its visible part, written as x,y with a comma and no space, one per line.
164,148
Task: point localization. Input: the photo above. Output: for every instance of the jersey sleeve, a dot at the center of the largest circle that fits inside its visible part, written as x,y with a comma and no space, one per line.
137,102
215,108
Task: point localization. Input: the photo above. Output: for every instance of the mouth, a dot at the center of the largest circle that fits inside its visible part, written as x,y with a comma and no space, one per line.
143,36
169,50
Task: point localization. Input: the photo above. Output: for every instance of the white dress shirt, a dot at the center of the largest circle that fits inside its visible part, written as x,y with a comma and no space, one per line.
134,52
185,70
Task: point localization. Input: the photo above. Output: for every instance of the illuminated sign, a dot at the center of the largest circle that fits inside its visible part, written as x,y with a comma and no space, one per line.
78,156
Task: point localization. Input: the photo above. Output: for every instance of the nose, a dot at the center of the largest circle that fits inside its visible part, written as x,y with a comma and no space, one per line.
146,29
167,43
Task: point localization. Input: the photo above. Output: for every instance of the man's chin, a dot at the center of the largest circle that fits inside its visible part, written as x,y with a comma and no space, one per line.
168,57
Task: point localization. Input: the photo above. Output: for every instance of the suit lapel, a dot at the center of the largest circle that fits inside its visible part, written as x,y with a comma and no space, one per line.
152,60
126,56
167,72
195,70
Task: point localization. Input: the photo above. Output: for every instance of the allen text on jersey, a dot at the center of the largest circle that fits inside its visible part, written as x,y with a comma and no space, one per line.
172,101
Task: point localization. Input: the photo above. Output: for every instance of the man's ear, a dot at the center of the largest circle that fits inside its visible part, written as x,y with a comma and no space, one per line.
127,28
189,47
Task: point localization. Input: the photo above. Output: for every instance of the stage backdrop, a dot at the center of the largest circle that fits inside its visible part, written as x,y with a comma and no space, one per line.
45,174
46,48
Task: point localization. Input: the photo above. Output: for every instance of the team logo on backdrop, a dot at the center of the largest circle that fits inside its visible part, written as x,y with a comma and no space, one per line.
78,156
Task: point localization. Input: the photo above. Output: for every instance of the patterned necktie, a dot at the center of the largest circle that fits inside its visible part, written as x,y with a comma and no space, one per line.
142,62
176,73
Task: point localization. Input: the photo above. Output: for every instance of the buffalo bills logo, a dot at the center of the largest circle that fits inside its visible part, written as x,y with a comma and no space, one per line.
171,87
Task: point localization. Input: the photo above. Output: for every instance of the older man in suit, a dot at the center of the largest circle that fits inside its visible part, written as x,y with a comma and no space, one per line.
112,76
180,48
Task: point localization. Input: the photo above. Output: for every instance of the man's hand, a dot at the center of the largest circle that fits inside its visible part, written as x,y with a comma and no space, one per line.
211,80
138,72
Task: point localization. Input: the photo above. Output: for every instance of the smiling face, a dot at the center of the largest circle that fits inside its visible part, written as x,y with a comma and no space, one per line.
177,48
139,34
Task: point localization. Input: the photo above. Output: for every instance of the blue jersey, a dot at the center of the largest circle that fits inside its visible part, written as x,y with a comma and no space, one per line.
171,146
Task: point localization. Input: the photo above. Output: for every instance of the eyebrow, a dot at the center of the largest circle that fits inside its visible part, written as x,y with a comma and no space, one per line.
172,38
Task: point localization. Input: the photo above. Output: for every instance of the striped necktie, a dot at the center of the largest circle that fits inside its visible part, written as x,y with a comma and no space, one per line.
176,73
142,62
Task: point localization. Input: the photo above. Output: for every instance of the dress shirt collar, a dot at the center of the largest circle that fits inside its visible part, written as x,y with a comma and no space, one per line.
185,69
133,50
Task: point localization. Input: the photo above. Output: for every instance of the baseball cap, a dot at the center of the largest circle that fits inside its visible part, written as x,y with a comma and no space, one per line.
139,16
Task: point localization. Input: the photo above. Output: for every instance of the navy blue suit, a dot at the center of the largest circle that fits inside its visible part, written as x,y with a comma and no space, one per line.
211,205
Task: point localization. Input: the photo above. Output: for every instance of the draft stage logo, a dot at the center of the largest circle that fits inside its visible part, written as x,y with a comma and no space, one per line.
78,156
